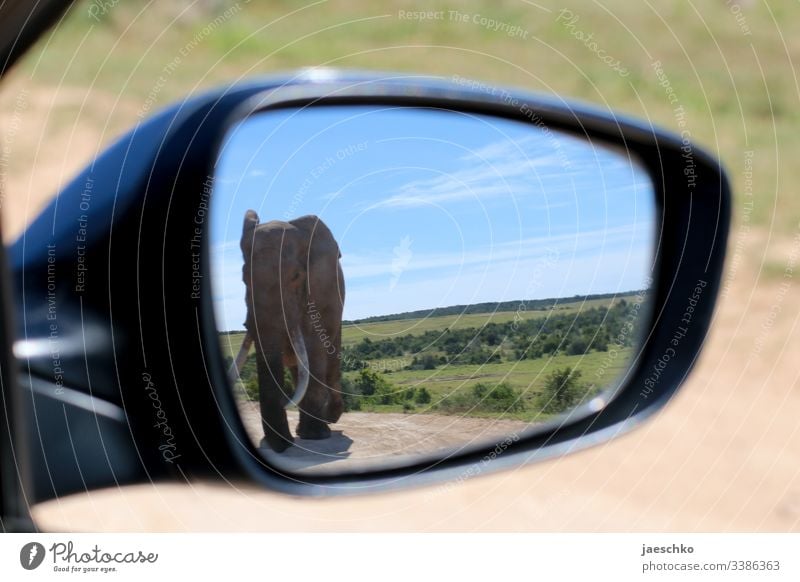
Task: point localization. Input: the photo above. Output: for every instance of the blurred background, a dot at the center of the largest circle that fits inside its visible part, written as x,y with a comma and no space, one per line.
722,457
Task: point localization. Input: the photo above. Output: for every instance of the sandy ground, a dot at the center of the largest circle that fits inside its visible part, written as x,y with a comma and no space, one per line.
723,456
363,439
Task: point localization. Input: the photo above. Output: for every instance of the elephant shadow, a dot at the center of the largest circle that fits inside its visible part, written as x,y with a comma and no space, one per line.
306,453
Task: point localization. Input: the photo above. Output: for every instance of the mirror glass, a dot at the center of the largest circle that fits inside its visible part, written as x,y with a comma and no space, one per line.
398,281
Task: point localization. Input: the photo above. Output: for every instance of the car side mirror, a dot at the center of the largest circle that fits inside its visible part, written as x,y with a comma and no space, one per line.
137,288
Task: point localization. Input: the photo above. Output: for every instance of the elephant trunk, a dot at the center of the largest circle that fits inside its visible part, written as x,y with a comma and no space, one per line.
299,346
241,357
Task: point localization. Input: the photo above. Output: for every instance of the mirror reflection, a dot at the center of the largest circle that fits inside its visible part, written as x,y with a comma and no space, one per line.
395,281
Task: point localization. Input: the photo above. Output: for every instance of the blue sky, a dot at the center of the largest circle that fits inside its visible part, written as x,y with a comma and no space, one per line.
435,208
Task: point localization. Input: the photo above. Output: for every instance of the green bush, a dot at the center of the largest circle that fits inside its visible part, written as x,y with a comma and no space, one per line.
352,400
500,398
550,345
249,377
424,362
484,398
476,356
376,389
251,389
423,396
562,391
577,347
351,361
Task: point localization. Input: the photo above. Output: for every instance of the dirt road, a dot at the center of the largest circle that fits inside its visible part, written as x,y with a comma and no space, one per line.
362,439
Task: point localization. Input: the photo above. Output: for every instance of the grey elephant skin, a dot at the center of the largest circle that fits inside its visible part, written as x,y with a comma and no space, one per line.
295,297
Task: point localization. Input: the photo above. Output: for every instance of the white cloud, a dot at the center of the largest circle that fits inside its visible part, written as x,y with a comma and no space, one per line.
595,261
379,264
522,168
598,260
531,278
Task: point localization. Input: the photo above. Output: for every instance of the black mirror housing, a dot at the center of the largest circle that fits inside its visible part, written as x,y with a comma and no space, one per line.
121,376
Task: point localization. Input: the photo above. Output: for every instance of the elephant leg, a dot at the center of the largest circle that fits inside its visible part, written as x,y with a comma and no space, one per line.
313,409
308,426
334,379
272,400
313,424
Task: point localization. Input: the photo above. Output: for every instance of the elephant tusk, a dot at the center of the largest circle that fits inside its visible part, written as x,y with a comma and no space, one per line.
241,358
299,345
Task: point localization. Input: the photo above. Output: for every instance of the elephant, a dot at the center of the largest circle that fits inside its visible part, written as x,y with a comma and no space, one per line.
295,298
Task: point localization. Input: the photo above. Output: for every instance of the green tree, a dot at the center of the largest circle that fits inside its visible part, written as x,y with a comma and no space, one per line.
562,391
249,377
350,396
251,388
577,346
423,396
550,345
600,343
501,397
376,388
423,362
484,398
428,362
367,381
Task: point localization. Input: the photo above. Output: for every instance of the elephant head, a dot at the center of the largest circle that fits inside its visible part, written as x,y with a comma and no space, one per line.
294,297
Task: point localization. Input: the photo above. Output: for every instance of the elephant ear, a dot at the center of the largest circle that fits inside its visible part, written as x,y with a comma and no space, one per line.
246,244
248,232
317,237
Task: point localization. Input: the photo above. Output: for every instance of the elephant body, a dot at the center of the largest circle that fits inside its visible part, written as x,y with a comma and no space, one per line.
295,297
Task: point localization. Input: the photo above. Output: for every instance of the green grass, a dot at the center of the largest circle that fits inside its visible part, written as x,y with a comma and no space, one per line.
739,90
230,344
528,376
354,333
598,369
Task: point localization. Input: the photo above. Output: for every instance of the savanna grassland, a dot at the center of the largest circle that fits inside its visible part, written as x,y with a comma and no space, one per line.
526,365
